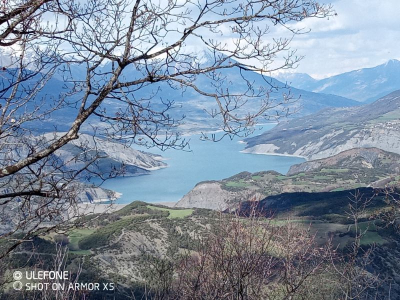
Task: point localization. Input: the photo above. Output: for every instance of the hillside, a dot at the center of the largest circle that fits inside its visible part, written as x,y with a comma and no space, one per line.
365,85
332,131
117,247
327,216
113,159
298,80
344,171
112,155
134,246
193,105
378,161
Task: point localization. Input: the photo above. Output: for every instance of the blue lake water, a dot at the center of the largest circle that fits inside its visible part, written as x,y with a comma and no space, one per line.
206,161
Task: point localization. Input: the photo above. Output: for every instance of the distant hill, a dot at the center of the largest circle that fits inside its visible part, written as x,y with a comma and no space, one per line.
304,102
365,85
334,130
190,103
298,80
376,160
194,106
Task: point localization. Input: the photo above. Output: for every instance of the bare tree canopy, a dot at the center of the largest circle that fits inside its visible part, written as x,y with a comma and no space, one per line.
105,68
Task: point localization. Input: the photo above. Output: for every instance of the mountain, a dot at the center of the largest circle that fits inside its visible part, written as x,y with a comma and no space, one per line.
187,103
365,85
298,80
365,167
302,102
239,81
335,130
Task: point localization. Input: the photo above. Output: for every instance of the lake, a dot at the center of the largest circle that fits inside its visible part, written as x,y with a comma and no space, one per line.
206,161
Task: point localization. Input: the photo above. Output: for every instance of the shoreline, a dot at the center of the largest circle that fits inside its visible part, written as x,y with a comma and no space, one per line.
156,168
273,154
206,131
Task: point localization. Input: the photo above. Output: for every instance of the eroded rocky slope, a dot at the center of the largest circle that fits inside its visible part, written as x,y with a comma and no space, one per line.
332,131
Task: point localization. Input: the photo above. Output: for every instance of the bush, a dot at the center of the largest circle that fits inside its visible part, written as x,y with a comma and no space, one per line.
61,239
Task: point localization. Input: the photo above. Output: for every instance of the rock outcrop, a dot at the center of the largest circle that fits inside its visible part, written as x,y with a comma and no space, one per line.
211,195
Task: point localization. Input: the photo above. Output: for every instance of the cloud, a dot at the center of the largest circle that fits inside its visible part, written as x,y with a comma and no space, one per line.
365,33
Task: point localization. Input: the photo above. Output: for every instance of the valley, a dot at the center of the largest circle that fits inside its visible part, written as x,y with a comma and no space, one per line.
284,187
199,150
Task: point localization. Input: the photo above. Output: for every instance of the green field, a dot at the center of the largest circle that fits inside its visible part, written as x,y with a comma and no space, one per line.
335,170
75,236
372,237
237,184
173,213
321,177
390,116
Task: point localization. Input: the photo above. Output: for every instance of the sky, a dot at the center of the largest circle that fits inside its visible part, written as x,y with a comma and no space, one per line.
365,33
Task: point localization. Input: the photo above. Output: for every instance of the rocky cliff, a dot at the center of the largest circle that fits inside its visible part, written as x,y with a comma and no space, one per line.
212,195
95,156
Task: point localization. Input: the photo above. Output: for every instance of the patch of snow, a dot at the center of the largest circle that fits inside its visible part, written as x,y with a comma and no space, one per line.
322,88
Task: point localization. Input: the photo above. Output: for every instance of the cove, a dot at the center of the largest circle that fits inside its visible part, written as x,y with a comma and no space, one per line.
206,161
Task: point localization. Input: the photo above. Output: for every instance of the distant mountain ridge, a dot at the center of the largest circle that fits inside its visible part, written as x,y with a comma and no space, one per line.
190,103
365,85
334,130
307,102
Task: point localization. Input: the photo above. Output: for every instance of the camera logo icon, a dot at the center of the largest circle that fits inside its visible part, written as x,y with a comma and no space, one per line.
17,275
17,285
